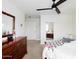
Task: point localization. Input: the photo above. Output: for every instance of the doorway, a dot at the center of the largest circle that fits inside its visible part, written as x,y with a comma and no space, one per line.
49,30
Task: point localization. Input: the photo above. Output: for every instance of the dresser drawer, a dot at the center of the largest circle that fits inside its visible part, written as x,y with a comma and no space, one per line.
15,49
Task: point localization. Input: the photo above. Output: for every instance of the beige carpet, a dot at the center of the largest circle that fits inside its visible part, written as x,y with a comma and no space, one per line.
34,50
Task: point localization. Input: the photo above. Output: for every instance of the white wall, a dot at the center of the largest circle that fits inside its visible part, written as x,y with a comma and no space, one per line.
64,25
9,7
33,28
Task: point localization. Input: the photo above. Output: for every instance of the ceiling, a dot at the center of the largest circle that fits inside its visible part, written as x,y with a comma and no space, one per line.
29,7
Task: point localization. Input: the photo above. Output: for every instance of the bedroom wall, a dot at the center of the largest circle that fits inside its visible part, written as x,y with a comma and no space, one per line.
64,26
9,7
33,28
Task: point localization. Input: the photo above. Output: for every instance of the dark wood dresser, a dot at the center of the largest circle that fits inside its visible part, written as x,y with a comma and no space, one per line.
49,35
15,49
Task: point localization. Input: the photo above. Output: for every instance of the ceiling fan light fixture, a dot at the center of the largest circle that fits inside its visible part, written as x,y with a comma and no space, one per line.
54,6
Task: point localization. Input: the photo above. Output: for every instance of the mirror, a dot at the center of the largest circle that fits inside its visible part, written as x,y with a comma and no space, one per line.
8,23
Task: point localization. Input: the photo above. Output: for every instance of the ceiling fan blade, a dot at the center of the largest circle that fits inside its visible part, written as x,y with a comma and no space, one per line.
59,2
57,10
44,9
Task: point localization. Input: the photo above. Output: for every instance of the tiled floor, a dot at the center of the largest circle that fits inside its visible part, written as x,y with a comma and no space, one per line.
34,50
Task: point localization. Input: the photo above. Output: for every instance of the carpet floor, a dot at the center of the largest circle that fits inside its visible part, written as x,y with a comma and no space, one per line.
34,50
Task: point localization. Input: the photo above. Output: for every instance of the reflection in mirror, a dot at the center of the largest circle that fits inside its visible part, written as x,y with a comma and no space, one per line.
8,23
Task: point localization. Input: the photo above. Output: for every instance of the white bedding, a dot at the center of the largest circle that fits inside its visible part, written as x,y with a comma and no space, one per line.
66,51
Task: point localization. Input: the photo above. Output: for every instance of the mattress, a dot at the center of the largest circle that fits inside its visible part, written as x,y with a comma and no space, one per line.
66,51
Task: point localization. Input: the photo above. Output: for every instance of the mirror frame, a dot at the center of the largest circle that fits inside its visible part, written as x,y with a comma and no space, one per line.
7,14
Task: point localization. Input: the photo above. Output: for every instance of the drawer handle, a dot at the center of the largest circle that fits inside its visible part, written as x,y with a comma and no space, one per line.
7,56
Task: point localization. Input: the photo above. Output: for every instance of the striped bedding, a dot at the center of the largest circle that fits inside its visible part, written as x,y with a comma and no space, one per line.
65,51
54,43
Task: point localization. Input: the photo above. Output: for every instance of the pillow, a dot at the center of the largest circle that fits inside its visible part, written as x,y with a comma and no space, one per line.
67,40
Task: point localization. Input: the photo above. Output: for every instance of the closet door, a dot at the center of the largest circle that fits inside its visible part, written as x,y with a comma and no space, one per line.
31,30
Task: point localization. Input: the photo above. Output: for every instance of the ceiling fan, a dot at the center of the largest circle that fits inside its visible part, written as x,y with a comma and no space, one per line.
54,5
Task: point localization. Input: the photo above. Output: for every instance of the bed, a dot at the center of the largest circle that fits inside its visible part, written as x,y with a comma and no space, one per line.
66,51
